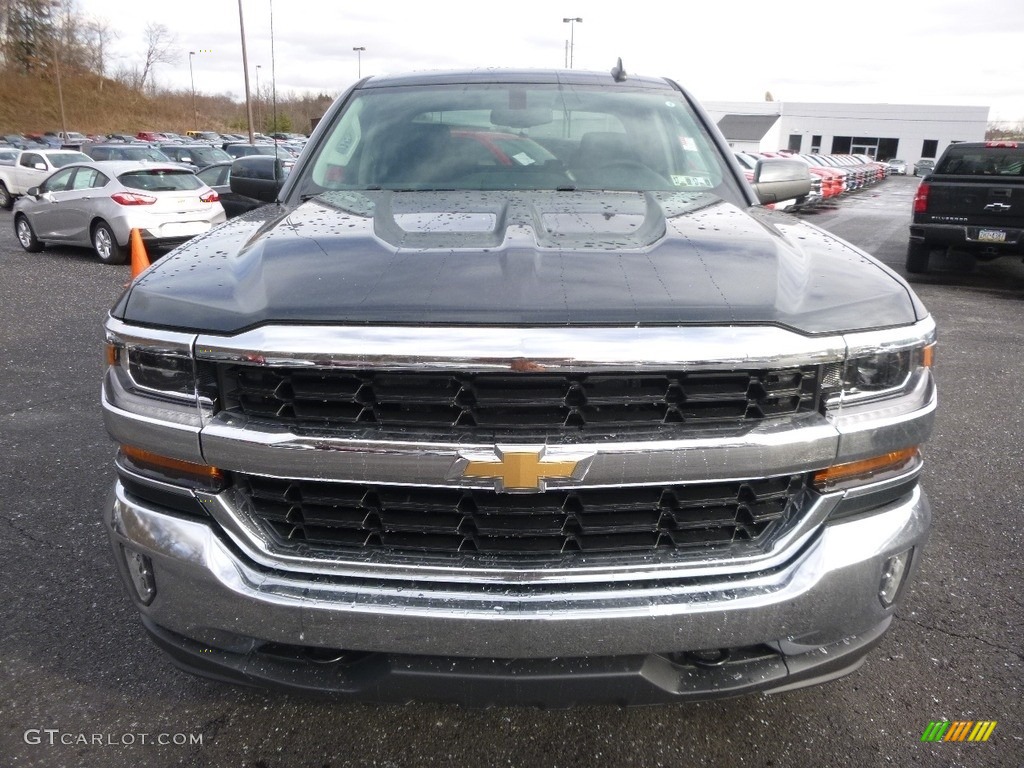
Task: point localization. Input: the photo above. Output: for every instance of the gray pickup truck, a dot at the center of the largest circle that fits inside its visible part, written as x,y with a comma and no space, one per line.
972,201
514,392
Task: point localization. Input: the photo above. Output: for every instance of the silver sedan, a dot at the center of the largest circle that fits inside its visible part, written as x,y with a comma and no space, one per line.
98,204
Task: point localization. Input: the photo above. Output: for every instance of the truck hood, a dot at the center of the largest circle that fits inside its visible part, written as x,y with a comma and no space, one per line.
518,259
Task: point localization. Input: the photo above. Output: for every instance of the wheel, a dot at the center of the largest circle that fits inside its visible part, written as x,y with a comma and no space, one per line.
6,201
26,236
918,254
106,246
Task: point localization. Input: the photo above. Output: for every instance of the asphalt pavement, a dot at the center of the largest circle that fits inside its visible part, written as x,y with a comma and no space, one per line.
80,685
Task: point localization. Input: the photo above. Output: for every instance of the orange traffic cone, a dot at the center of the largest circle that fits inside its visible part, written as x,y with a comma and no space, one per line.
140,259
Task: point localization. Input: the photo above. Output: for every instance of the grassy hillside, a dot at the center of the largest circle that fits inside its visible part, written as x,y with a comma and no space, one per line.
30,104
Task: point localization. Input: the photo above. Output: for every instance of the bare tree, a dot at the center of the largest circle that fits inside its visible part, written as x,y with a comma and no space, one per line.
99,35
161,48
70,45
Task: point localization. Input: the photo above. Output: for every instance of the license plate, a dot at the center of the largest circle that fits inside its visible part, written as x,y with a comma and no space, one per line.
183,229
991,235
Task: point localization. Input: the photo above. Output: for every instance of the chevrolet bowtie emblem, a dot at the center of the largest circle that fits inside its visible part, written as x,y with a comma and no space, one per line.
522,471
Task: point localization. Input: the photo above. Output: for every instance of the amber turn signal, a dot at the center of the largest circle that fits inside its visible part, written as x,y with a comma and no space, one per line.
155,461
865,468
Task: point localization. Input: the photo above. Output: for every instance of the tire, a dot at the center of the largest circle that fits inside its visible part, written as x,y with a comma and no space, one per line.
6,200
918,254
26,235
106,246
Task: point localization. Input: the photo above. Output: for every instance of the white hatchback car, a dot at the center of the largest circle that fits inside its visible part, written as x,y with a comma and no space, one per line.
98,205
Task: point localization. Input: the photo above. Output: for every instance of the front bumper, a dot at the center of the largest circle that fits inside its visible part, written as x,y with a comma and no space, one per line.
549,683
810,618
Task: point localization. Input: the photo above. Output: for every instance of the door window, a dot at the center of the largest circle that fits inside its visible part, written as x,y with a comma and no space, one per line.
59,181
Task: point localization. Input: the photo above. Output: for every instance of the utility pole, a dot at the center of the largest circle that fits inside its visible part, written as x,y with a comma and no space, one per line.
192,77
245,71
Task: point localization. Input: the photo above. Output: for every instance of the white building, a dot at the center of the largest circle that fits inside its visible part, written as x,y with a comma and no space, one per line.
883,131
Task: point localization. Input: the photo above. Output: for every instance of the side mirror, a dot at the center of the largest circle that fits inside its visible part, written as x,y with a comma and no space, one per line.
32,192
777,179
40,166
258,176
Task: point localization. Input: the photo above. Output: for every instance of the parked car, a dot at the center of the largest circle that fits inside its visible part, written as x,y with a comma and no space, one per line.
8,155
878,169
897,167
924,166
833,180
99,204
207,136
218,178
240,149
857,177
143,153
19,141
44,140
71,139
152,136
195,156
121,138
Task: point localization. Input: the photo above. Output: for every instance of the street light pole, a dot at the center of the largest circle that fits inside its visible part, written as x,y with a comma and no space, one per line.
572,34
359,60
192,77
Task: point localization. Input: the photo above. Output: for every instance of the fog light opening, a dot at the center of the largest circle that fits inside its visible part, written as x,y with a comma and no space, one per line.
893,575
140,570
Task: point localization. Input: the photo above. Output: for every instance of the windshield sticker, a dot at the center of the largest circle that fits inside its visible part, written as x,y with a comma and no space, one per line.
523,159
692,181
688,143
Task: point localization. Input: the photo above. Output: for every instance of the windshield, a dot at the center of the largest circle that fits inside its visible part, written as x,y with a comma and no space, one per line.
160,180
993,160
65,158
516,136
202,155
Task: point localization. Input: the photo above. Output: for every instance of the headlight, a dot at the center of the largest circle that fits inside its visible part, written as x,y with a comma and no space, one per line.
160,367
877,367
884,371
161,372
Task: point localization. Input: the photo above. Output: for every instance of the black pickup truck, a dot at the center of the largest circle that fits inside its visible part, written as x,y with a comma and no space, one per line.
973,201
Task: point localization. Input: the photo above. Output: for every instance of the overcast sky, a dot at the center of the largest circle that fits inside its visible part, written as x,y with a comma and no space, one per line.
952,52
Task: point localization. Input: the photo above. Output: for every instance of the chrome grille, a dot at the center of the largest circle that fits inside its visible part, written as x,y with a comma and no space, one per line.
359,517
514,403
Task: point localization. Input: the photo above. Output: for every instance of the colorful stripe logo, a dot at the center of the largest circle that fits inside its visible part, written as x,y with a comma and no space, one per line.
958,730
